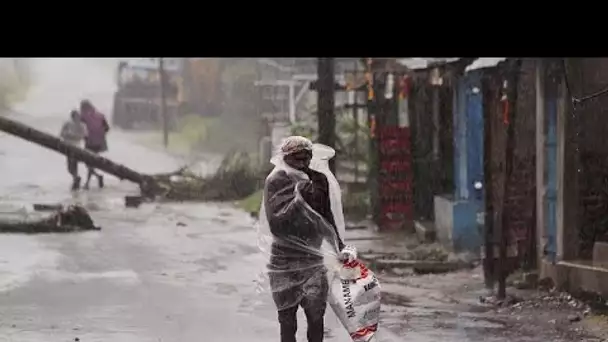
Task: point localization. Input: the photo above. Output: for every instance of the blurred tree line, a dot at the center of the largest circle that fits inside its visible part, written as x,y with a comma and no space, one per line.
15,80
237,123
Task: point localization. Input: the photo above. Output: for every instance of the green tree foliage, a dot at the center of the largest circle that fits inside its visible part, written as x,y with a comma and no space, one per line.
346,128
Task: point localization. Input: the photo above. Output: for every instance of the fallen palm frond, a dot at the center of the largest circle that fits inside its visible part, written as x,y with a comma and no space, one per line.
64,220
235,178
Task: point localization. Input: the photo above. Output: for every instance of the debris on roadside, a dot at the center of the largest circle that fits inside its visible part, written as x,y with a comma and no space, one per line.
68,219
422,259
235,178
524,280
133,201
546,284
553,301
509,301
47,207
433,252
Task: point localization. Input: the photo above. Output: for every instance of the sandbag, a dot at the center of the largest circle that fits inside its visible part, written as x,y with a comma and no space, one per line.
355,299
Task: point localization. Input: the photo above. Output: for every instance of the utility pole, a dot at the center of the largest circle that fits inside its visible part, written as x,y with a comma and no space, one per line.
356,123
512,81
325,105
163,102
489,269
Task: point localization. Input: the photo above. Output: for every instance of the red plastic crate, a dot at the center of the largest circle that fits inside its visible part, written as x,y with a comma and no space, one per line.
396,166
388,187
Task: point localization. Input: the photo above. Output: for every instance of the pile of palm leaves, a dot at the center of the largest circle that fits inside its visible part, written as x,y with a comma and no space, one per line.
237,177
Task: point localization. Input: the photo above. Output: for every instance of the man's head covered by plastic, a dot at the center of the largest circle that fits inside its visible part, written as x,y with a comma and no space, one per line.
297,152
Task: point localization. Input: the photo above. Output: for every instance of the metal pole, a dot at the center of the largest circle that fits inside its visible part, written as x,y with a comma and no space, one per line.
325,105
163,102
292,103
540,156
511,90
489,176
356,123
435,111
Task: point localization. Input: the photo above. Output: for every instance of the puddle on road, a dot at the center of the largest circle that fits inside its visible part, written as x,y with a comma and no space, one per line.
225,214
219,220
210,265
389,298
194,235
478,308
461,323
245,250
225,289
127,277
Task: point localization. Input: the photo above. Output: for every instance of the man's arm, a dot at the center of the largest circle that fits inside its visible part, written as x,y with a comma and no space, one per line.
280,203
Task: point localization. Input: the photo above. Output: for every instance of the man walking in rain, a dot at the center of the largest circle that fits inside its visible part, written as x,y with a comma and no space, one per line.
73,132
299,224
97,128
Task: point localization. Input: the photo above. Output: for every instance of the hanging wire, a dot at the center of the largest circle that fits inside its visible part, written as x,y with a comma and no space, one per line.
589,97
576,100
575,104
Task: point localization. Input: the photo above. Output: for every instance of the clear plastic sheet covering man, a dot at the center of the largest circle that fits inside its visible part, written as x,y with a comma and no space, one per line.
300,230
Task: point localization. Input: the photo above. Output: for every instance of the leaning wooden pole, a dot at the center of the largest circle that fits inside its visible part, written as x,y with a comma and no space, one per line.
54,143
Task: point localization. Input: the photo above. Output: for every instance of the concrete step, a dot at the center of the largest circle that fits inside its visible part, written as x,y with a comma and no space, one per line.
425,230
379,263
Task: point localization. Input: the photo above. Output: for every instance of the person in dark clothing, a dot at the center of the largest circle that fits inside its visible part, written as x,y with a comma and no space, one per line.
297,275
97,127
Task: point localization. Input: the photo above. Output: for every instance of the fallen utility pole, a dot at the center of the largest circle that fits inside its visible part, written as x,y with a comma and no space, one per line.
51,142
233,180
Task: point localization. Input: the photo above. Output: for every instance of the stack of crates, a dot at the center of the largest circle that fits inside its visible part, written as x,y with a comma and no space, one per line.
395,177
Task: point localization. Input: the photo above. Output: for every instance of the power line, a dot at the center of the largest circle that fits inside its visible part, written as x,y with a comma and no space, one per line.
582,99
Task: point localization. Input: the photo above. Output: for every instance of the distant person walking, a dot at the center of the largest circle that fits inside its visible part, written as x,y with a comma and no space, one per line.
97,127
73,132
